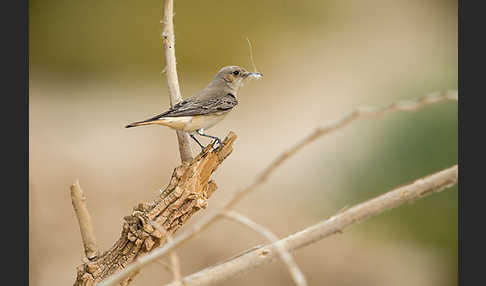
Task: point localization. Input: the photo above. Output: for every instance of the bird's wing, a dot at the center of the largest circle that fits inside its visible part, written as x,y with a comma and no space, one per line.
192,106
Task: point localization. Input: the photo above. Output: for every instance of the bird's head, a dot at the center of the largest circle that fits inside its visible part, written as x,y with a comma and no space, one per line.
234,76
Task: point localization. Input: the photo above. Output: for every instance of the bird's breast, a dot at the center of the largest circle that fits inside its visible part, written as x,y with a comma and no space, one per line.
193,123
205,121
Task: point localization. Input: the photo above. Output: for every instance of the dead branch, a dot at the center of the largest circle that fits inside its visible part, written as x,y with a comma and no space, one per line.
168,42
286,257
188,191
257,257
358,113
78,199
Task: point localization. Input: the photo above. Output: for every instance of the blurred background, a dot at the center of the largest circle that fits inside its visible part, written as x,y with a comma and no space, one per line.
96,66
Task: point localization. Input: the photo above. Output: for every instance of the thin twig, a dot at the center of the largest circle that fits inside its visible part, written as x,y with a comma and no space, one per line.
166,266
78,199
176,268
174,258
358,113
251,55
405,194
168,42
286,257
207,220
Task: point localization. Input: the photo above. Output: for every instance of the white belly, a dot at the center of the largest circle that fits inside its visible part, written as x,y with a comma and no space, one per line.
192,123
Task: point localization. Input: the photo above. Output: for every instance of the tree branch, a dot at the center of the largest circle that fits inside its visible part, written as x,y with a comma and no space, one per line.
209,219
257,257
168,42
176,268
174,258
286,257
187,192
78,199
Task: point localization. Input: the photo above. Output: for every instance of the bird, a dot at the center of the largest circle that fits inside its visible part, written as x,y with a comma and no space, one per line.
206,108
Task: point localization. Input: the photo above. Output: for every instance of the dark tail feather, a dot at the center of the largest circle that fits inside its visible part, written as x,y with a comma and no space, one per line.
138,123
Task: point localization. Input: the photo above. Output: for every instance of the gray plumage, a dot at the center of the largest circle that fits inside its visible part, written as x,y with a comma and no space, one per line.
195,106
207,107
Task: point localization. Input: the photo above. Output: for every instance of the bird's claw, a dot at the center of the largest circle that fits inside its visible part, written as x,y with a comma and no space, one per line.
220,144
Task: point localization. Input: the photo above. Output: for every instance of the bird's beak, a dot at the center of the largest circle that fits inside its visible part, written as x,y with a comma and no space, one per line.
253,75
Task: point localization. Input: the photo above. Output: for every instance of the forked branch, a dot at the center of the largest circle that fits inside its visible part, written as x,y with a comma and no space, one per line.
187,192
174,258
358,113
286,257
336,224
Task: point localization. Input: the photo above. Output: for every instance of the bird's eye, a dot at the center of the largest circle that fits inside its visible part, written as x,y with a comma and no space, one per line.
236,72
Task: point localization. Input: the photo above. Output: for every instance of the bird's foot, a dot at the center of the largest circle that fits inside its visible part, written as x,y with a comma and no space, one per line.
216,139
220,144
198,143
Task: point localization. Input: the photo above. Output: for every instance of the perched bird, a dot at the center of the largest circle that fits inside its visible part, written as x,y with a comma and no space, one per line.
205,108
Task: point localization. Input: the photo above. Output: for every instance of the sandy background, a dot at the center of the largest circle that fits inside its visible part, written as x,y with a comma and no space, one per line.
95,66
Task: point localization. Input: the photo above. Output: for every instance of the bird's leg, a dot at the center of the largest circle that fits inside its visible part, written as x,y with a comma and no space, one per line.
201,132
197,141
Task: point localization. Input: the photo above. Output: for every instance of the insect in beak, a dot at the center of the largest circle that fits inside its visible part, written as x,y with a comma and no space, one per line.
253,75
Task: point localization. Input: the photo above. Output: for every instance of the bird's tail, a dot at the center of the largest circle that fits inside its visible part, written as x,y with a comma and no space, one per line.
178,123
140,123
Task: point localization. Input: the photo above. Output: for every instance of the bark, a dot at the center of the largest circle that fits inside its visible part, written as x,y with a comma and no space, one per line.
189,188
80,207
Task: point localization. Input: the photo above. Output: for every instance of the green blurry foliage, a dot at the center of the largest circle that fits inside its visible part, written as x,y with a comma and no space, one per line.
104,37
112,36
408,146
